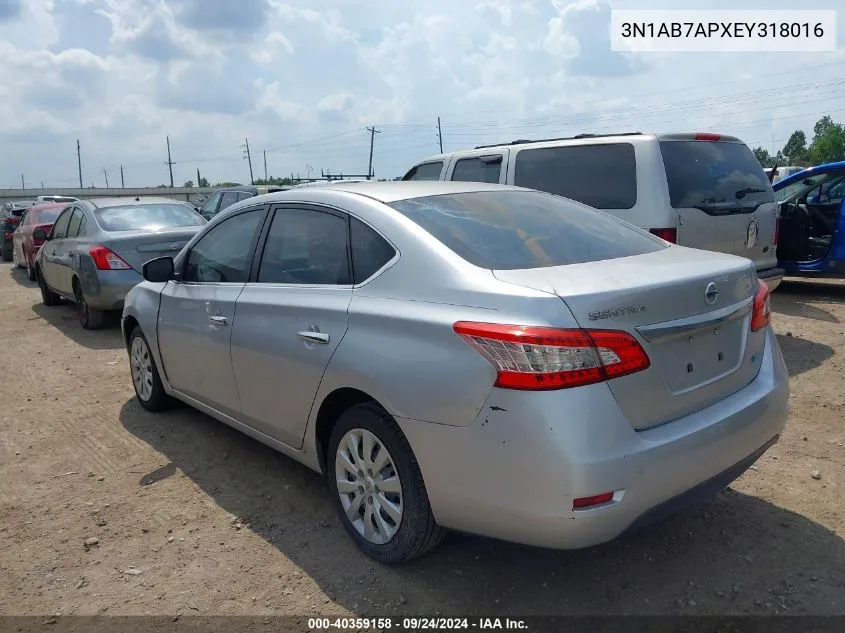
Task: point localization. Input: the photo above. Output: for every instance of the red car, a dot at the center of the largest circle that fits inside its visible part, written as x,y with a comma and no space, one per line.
25,246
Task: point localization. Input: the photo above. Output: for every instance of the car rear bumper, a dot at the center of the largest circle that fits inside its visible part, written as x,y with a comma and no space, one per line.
106,289
514,472
771,277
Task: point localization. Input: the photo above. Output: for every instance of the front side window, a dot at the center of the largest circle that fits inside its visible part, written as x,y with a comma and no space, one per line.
229,198
224,253
60,227
507,230
478,169
306,246
603,176
209,207
426,171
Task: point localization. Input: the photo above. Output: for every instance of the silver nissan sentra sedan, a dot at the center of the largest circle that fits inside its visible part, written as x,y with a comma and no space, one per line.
466,356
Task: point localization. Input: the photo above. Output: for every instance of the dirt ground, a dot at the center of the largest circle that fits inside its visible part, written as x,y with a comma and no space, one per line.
185,516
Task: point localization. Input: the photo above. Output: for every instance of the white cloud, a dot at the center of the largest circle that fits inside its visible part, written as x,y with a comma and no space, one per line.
305,76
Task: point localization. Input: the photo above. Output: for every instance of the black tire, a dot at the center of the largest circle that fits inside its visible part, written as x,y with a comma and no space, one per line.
48,297
158,399
6,254
89,318
418,532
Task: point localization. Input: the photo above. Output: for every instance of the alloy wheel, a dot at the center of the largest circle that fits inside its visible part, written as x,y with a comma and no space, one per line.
368,485
142,368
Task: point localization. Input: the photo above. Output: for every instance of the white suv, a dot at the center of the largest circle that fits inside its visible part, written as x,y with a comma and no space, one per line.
704,191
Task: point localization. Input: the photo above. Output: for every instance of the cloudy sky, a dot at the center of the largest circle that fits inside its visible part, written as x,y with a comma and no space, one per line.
302,79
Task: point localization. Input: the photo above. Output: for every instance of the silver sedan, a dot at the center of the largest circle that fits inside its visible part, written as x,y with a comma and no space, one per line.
464,356
93,253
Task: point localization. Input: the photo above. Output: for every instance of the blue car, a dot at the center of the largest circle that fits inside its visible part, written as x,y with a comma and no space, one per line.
812,221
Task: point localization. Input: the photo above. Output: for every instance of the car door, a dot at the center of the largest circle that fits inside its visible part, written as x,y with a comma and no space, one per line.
197,311
51,263
68,257
291,318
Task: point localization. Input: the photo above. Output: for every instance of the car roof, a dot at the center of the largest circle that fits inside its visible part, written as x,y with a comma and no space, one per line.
48,205
810,171
102,203
393,190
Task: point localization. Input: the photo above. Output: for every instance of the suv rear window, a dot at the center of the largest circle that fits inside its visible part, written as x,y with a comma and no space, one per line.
478,169
711,172
603,176
506,230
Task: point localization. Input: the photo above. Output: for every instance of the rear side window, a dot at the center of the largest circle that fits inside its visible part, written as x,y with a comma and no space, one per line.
75,220
707,172
478,169
60,227
229,198
506,230
602,176
370,251
426,171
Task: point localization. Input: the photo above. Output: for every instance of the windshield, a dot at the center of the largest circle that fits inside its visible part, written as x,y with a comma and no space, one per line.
147,216
702,172
506,230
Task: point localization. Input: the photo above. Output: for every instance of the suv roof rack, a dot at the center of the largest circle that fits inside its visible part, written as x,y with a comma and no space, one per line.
561,138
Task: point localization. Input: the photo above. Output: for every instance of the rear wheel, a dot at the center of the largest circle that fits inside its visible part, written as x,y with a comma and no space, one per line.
145,378
378,488
89,318
48,297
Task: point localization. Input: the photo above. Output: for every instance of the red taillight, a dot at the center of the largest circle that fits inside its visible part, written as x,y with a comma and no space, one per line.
777,232
708,136
595,500
670,235
762,313
543,358
105,259
8,234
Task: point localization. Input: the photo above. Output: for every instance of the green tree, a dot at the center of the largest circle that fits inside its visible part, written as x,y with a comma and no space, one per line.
828,141
274,181
203,182
763,157
795,151
226,184
188,184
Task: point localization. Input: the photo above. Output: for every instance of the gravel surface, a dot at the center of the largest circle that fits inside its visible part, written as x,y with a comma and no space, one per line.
105,508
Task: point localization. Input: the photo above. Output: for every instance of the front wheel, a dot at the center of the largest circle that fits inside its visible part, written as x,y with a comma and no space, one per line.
145,378
378,488
48,297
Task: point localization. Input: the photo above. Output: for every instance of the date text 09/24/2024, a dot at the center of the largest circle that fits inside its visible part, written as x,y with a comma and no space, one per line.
416,624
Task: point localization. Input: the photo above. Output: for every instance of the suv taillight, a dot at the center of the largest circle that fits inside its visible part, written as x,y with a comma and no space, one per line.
670,235
105,259
762,313
543,358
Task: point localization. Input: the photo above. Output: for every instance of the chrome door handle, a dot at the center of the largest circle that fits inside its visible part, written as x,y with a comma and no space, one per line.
218,320
314,337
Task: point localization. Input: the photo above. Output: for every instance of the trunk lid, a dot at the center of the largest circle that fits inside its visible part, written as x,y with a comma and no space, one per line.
138,247
723,197
700,344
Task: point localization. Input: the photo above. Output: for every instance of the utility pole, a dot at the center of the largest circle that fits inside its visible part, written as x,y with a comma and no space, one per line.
439,135
265,165
248,156
122,186
198,177
169,162
23,184
79,162
373,131
106,176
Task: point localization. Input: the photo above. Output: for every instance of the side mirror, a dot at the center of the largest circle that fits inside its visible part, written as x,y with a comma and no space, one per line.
40,234
158,270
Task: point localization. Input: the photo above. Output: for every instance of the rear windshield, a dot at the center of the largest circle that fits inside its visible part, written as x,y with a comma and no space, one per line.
42,216
705,172
506,230
147,216
603,176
